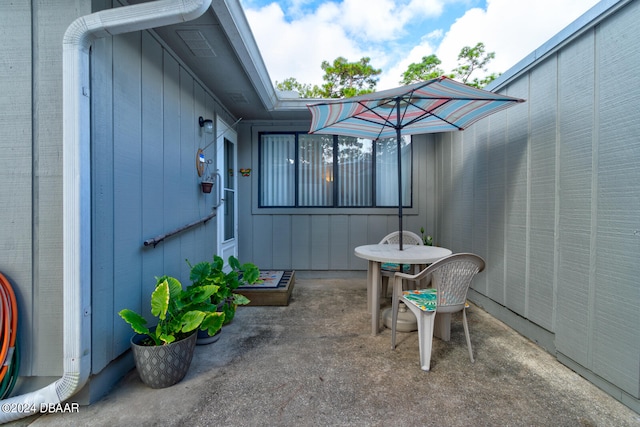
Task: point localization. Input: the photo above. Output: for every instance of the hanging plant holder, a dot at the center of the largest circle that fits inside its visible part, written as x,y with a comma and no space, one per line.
208,178
206,186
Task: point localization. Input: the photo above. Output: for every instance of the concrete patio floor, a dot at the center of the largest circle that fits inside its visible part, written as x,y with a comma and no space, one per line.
315,363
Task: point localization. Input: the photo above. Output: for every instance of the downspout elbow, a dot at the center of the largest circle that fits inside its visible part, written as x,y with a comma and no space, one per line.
132,18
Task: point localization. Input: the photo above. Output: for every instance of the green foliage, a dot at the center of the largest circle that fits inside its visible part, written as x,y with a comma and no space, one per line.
427,240
178,311
160,301
346,79
427,69
480,83
304,90
471,59
137,322
211,273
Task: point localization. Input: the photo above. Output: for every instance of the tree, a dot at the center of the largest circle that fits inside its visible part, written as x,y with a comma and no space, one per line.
303,89
346,79
425,70
471,59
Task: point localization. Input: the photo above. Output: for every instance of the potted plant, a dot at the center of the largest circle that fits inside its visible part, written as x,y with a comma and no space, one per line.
163,352
427,240
212,273
207,184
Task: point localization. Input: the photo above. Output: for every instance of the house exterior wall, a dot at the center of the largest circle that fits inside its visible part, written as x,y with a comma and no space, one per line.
548,192
16,211
31,168
322,238
145,182
145,105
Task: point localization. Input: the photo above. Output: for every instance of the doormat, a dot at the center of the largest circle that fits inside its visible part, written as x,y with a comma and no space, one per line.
269,279
267,294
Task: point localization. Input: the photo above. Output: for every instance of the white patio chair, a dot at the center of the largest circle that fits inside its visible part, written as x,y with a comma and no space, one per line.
387,270
450,279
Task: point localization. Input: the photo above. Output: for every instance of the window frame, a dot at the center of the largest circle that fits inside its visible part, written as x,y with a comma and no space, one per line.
334,209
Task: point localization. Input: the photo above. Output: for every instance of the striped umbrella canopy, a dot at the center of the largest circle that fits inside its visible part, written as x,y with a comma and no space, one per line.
432,106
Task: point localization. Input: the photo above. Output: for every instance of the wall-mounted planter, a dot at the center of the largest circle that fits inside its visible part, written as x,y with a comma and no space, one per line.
206,187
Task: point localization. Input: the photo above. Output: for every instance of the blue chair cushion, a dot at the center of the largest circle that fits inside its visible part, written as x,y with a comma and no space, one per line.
389,266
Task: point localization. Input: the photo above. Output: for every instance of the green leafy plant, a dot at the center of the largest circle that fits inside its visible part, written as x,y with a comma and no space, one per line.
179,312
211,273
427,240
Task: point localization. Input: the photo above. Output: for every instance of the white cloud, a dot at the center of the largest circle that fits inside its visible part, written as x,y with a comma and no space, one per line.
509,29
296,45
369,19
384,20
297,48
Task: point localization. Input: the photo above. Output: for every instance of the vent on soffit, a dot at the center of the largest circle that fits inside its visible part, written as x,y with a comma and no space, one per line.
237,97
197,43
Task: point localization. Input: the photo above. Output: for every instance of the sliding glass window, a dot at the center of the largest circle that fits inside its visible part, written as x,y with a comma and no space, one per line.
330,171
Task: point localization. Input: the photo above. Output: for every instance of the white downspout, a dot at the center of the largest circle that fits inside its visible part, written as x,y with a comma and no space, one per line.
77,186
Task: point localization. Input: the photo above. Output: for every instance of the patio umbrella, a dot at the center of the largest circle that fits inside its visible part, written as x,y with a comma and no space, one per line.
437,105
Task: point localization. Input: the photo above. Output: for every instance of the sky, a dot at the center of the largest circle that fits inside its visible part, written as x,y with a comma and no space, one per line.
295,36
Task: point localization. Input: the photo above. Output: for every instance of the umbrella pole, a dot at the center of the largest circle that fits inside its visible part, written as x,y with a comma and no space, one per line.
399,144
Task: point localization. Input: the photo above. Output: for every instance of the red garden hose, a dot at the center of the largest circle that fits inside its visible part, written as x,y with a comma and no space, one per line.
8,332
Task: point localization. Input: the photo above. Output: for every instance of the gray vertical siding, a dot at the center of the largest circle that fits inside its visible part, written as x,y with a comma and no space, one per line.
31,172
144,180
153,154
480,208
323,239
547,192
16,161
127,185
552,190
516,201
102,199
616,336
576,199
543,201
48,24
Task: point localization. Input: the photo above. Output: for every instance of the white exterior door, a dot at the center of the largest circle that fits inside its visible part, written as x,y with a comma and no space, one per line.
227,214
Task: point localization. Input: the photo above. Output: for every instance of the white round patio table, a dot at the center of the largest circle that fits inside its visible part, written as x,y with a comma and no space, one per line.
377,254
